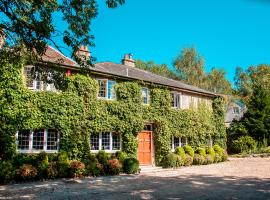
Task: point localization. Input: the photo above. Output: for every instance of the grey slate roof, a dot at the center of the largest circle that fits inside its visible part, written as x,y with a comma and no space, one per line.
138,74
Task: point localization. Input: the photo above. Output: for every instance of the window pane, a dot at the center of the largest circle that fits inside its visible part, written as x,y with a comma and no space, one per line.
23,139
105,144
94,142
116,141
102,88
28,76
172,102
145,95
176,141
52,137
111,91
177,101
38,139
183,141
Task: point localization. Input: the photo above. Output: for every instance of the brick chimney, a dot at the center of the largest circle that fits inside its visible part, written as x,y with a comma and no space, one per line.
83,53
128,60
2,38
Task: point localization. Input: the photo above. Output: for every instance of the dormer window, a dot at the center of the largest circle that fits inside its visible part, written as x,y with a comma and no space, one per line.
236,111
106,89
145,95
176,100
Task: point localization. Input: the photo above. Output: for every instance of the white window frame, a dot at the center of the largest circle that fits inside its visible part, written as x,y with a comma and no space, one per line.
106,89
181,143
31,150
147,96
180,100
111,142
237,108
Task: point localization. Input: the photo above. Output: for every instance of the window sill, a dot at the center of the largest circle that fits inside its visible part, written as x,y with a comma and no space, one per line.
107,151
37,151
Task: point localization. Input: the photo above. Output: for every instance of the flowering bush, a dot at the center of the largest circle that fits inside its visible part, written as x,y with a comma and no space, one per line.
76,169
114,167
26,172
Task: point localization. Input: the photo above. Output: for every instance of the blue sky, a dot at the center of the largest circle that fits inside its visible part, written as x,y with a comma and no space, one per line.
227,33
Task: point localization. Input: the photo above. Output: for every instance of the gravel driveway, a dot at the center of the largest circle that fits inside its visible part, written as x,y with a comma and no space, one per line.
239,178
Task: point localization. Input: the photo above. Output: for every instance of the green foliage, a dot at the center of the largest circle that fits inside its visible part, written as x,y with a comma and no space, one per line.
131,166
52,170
7,172
201,151
211,152
198,159
26,172
103,157
189,150
181,152
63,164
209,159
170,160
121,156
218,153
244,144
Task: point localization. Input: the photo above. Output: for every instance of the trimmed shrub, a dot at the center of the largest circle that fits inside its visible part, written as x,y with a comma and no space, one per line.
188,161
7,172
131,166
211,152
169,160
189,150
103,157
114,167
121,156
52,171
218,153
94,168
26,172
198,159
179,161
42,165
201,151
209,159
63,164
76,169
244,144
224,156
181,152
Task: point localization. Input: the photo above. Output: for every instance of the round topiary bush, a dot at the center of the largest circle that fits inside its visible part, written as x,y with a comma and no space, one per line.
218,153
131,166
244,144
201,151
188,160
198,159
169,160
224,156
179,161
211,152
181,152
63,165
77,169
114,167
189,150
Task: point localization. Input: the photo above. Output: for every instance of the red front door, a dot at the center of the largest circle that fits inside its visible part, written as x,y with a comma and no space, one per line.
145,148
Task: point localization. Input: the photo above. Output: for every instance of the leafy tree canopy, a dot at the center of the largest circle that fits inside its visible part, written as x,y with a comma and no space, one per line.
30,22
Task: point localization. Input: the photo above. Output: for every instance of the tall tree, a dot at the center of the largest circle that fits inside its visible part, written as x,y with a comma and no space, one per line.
162,70
216,82
30,22
190,67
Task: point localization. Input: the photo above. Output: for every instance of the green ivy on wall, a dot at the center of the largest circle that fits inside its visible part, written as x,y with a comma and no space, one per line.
77,113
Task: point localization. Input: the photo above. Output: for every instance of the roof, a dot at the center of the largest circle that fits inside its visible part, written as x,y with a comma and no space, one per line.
124,71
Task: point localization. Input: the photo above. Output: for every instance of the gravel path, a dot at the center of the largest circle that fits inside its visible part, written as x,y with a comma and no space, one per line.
239,178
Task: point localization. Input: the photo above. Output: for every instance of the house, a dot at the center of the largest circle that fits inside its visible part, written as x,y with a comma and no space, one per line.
107,75
234,111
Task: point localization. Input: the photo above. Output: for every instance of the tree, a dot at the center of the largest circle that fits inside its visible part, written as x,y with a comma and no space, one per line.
216,82
246,80
30,22
162,70
190,67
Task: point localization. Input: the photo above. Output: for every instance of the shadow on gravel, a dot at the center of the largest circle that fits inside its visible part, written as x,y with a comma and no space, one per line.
143,187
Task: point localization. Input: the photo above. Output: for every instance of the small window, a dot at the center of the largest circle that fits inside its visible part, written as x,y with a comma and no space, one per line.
178,142
94,142
148,127
106,89
116,142
176,100
105,144
236,110
52,139
38,139
145,95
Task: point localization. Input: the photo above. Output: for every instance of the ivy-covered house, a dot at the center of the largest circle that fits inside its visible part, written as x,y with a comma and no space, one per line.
107,107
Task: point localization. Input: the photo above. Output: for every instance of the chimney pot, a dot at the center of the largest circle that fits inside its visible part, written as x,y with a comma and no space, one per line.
83,53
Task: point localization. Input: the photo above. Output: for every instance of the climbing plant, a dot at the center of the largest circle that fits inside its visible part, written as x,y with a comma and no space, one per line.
76,113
